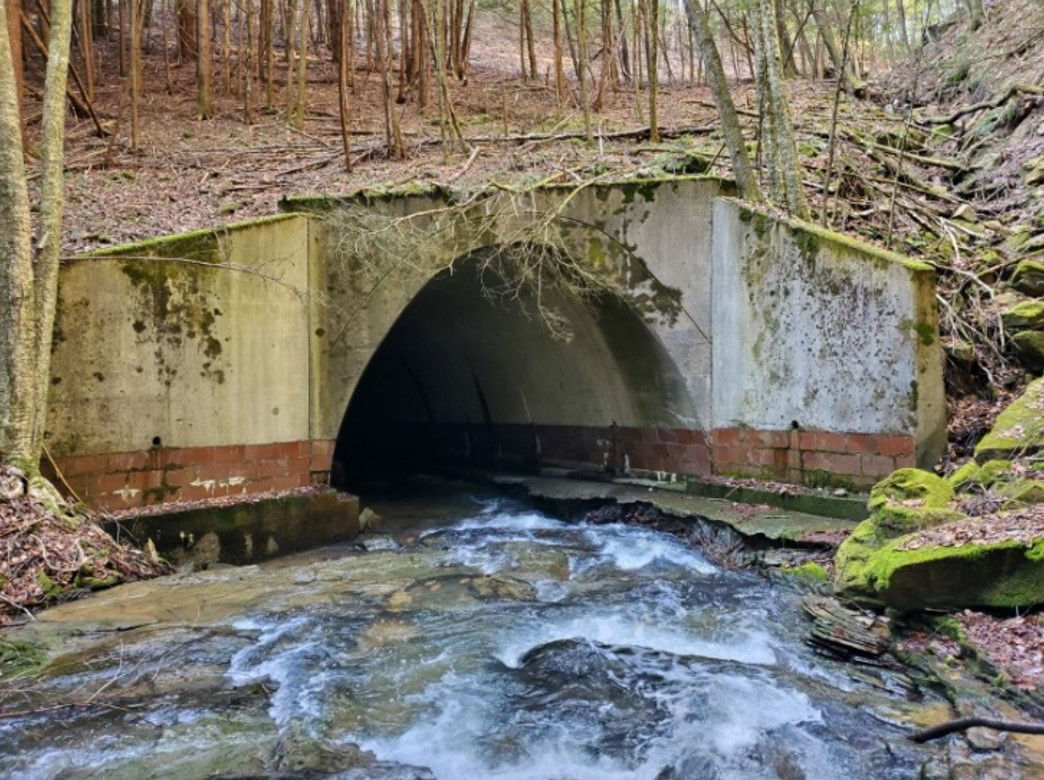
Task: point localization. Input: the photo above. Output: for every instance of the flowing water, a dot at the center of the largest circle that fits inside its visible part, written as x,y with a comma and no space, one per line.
480,639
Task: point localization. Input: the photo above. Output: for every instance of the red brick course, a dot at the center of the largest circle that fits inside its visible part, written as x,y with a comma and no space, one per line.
810,456
172,474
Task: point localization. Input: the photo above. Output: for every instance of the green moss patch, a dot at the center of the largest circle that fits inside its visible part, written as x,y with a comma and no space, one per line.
1018,430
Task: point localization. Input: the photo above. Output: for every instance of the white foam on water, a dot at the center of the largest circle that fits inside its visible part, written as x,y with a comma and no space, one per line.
751,646
289,665
510,521
743,708
450,741
629,548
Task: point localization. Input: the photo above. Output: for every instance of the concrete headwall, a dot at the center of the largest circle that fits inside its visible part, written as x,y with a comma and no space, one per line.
222,362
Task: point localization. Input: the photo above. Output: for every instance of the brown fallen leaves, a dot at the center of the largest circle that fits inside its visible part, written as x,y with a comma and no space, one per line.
47,557
1023,525
1014,645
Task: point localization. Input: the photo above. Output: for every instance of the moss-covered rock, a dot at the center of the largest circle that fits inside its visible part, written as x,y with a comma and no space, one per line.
909,500
1029,344
964,475
1028,314
1001,574
1023,492
810,571
1019,429
906,501
1029,277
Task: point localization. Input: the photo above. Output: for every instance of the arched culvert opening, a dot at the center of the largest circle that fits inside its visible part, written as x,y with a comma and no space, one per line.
469,375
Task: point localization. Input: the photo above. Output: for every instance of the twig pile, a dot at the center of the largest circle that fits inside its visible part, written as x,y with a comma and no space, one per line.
46,556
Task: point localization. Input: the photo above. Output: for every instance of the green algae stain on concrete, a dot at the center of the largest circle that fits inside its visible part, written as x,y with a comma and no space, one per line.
175,306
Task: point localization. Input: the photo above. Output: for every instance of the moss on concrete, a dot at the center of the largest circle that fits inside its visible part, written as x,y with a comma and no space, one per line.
182,245
810,237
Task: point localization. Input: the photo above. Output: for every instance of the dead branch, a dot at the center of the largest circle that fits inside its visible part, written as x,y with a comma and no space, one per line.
962,724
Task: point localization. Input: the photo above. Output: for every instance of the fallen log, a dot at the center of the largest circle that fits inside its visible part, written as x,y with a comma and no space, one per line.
994,102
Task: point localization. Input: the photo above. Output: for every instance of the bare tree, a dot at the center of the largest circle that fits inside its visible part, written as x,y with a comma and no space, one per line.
204,92
742,170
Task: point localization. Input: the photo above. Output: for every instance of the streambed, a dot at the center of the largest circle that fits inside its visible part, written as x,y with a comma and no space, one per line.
475,637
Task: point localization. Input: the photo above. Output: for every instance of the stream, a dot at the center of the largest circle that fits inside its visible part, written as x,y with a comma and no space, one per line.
472,637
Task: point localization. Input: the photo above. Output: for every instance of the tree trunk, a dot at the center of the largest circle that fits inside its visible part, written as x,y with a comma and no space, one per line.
28,279
17,343
186,13
14,36
248,70
651,55
135,70
715,74
342,79
581,38
527,22
852,81
781,129
904,34
204,99
556,18
301,91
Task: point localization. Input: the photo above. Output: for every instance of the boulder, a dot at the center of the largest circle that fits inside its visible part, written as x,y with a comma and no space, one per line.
906,501
1019,429
1030,347
1029,277
1026,315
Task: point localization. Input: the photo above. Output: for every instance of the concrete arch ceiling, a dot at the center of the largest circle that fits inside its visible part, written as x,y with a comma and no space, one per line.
483,373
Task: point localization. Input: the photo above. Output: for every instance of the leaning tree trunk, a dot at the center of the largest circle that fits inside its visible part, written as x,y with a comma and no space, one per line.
852,81
782,129
715,73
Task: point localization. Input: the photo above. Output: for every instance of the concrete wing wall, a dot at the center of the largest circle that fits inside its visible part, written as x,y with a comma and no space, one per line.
170,374
817,332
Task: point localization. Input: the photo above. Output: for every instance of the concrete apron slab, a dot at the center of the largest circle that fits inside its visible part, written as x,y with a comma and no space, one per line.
756,522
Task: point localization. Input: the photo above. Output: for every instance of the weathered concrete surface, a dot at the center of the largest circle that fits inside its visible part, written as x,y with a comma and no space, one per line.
155,343
174,355
815,331
654,233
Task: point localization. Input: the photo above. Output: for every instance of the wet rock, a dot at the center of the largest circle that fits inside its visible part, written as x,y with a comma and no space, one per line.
375,543
985,740
369,520
298,752
205,552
